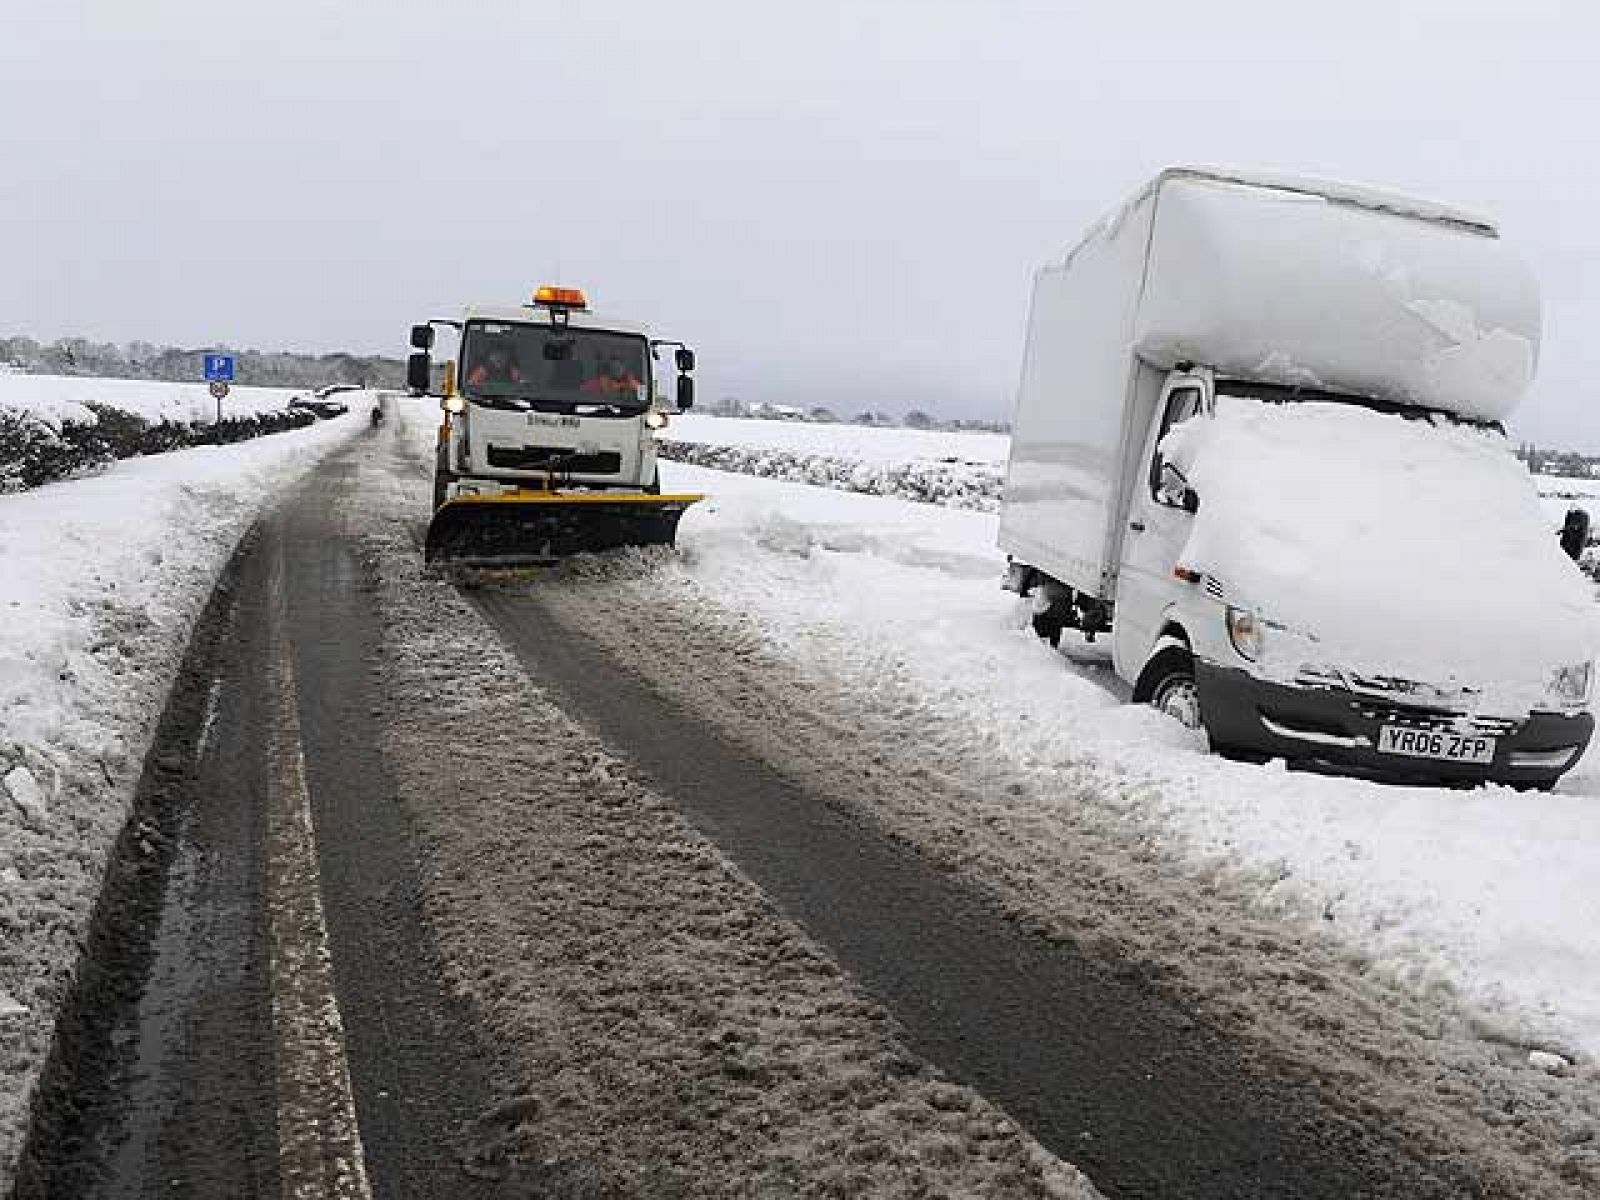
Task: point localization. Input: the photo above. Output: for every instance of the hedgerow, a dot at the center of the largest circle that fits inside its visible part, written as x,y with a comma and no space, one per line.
965,485
34,450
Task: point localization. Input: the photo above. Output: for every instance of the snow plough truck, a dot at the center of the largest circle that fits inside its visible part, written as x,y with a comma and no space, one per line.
547,443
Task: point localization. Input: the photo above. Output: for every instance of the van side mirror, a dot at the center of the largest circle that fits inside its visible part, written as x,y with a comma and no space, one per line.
422,337
685,357
685,392
1175,492
419,372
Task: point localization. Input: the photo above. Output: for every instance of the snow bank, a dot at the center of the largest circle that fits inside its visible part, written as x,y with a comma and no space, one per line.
103,579
1385,546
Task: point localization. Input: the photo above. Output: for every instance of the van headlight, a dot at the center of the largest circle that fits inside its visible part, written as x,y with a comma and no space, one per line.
1246,633
1571,685
655,420
455,403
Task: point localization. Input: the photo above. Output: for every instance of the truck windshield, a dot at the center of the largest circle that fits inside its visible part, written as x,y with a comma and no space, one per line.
554,368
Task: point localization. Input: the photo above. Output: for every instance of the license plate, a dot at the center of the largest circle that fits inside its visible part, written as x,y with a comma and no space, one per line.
559,422
1435,743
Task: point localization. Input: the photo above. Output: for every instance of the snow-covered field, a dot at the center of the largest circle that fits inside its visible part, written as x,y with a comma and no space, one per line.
1558,493
958,470
104,577
1485,895
61,397
863,443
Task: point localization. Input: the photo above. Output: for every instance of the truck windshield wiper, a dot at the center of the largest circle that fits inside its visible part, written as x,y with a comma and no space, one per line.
513,402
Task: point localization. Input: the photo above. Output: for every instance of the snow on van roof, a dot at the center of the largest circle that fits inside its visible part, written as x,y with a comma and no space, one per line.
1289,287
1353,194
1359,195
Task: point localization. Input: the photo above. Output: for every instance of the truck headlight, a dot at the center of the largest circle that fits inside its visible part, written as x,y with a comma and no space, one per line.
655,420
1246,633
455,403
1570,685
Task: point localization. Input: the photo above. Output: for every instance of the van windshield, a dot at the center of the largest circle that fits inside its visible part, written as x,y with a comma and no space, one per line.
554,368
1277,393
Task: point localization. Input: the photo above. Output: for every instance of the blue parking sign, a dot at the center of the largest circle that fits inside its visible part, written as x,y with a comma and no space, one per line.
219,367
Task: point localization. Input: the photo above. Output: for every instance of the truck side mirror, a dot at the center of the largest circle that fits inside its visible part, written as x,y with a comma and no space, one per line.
685,357
422,337
419,372
685,392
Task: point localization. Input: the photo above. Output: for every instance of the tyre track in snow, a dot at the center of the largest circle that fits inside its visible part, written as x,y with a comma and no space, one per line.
1345,1066
1105,1069
278,933
423,891
661,1029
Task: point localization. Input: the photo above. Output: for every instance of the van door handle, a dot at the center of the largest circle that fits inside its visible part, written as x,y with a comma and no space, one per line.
1136,526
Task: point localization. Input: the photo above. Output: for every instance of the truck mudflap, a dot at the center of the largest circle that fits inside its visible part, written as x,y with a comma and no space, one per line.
1344,729
533,528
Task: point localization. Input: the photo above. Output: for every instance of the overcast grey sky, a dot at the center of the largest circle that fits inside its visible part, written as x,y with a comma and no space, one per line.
835,202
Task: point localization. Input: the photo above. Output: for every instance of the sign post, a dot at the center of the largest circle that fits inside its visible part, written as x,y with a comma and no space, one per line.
219,371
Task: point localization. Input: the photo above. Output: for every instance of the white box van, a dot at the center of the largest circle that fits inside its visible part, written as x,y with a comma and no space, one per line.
1257,441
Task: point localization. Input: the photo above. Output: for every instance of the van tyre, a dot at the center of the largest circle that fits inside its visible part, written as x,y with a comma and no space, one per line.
1241,754
1168,685
1049,626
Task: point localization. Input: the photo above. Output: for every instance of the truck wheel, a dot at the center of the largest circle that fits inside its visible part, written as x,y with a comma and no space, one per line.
442,480
1168,685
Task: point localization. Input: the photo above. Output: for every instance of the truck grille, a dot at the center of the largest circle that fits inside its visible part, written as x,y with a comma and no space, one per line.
554,458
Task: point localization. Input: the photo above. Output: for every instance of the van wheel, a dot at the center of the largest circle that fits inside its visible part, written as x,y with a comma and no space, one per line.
1168,685
1049,626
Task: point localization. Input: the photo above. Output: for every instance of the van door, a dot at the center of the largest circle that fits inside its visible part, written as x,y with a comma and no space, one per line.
1158,527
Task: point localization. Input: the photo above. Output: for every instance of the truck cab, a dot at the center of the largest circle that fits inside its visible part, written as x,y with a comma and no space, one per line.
552,391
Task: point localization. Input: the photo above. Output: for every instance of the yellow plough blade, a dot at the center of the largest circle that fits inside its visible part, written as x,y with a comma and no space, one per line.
523,528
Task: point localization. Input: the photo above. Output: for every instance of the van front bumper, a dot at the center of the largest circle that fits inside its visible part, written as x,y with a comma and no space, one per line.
1340,728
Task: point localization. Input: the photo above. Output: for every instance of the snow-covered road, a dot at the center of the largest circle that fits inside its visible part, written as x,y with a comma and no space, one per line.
102,581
